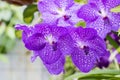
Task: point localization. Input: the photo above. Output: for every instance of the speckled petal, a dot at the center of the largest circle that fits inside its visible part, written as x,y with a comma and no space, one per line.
63,3
115,21
58,31
111,3
83,33
98,45
49,54
47,6
88,13
98,3
49,18
57,67
42,28
35,42
102,27
84,62
66,44
74,19
63,23
118,58
72,11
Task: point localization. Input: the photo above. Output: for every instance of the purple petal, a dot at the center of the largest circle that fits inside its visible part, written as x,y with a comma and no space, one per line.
57,67
98,45
111,3
115,21
97,3
21,27
49,54
49,18
89,37
47,6
35,42
26,31
118,58
58,31
64,3
98,41
104,62
101,26
84,62
66,44
88,13
86,33
83,33
63,23
34,56
74,19
42,28
72,11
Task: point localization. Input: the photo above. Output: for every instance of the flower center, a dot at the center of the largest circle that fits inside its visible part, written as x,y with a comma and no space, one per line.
106,20
61,12
66,17
104,16
102,13
83,46
54,46
86,49
50,39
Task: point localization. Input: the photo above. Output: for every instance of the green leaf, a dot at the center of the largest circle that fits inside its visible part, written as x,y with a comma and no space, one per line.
113,43
116,9
81,1
28,13
118,49
94,72
100,77
18,34
81,23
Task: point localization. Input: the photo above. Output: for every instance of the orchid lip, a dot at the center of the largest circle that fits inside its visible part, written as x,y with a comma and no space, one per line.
86,50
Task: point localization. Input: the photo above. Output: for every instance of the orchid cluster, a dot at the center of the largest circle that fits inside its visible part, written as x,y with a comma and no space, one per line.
57,35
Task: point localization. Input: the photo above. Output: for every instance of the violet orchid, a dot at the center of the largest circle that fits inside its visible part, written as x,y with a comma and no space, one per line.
59,12
97,14
50,43
88,48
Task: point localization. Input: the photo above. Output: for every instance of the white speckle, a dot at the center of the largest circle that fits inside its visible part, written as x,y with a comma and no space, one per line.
80,44
49,38
61,12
